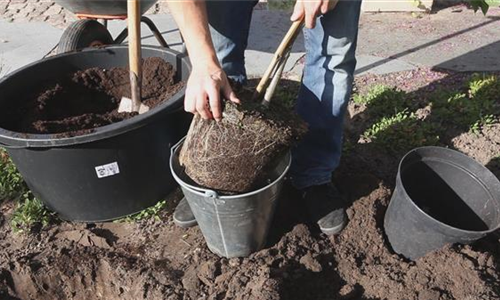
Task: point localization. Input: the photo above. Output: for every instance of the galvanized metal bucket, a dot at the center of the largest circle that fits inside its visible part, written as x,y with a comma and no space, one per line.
236,225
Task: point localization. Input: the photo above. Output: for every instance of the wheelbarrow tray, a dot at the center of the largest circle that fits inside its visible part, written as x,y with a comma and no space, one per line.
102,7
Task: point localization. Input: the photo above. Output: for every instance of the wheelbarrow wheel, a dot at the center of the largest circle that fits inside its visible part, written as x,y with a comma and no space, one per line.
83,34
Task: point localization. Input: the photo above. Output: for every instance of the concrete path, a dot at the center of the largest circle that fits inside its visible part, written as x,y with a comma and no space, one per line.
454,38
23,43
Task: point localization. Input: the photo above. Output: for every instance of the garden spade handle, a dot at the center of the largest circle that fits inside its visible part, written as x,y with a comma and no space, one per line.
286,43
134,51
276,78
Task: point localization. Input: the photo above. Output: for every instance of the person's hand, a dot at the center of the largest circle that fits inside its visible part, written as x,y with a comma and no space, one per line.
311,9
204,88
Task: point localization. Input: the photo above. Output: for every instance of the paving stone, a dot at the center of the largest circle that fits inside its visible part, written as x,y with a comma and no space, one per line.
17,6
152,10
22,19
43,6
35,13
162,9
40,18
56,19
21,14
53,10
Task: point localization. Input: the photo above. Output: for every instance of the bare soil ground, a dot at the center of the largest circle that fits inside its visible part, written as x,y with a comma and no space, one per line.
153,259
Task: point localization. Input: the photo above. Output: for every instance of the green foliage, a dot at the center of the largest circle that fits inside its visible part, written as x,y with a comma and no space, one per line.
396,127
484,5
150,212
347,147
419,4
402,132
472,110
29,211
481,86
12,185
287,96
281,4
381,101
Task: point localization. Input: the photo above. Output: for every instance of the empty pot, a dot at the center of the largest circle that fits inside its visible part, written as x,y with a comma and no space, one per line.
441,197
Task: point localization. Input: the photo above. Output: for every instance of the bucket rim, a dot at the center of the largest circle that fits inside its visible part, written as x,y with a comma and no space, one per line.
18,140
203,192
399,182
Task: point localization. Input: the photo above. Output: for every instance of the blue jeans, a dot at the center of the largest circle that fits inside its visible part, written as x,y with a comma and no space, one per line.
326,82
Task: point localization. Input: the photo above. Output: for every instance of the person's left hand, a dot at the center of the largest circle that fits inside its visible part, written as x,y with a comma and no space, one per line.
311,9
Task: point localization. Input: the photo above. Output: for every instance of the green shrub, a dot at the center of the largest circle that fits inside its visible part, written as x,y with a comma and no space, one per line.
150,212
29,211
402,132
12,185
382,101
471,110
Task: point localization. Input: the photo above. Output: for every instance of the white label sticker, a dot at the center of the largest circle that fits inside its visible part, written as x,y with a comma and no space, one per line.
107,170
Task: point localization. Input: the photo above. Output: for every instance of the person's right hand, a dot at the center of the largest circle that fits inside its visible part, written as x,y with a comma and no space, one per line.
311,9
205,86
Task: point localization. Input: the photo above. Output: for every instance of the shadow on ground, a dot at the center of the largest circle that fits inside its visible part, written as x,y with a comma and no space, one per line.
443,4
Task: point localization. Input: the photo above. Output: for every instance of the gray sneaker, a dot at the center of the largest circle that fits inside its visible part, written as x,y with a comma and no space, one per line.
183,216
325,207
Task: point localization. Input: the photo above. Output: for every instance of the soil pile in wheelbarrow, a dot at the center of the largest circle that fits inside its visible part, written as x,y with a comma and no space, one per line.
233,155
88,99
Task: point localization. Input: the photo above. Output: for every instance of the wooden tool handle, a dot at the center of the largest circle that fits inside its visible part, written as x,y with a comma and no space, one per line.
276,78
286,43
134,51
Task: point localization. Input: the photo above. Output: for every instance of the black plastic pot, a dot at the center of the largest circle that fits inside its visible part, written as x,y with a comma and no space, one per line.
114,171
442,197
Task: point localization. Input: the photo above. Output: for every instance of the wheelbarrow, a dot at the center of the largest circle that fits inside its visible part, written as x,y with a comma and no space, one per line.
89,32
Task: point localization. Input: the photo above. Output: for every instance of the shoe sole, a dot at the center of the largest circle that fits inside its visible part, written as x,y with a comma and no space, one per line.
333,230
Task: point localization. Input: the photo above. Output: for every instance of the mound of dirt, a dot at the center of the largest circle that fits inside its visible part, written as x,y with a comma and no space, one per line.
89,99
157,260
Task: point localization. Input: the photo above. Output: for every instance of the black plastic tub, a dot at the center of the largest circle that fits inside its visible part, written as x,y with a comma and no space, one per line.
112,172
442,197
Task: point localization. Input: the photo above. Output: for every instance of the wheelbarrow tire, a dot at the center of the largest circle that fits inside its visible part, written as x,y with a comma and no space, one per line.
83,34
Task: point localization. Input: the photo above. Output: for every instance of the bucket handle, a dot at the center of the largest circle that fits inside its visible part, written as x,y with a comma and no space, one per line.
208,193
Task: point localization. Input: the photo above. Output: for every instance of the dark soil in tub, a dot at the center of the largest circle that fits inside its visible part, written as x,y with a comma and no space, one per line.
88,99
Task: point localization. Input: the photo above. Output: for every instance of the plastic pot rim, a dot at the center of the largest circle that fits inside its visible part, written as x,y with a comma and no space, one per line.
213,194
414,205
17,140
